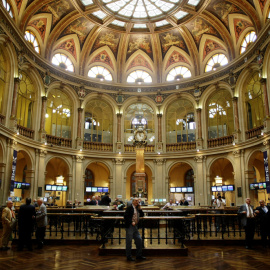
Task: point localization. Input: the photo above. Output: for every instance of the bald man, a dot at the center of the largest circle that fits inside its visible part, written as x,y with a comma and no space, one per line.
7,216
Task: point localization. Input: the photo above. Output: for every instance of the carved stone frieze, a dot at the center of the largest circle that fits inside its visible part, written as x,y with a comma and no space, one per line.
118,161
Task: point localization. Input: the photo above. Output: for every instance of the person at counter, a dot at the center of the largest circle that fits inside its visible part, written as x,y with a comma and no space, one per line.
105,200
184,202
68,204
94,201
169,205
263,213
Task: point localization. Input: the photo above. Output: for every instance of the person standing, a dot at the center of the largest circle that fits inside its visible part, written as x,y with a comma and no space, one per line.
7,216
41,219
248,221
263,213
105,200
131,216
26,217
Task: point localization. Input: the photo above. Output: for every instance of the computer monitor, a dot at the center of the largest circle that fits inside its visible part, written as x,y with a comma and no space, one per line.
54,188
105,189
159,200
164,200
64,188
189,198
264,185
214,189
172,189
156,200
261,186
219,188
88,200
190,189
99,189
230,188
88,189
45,199
27,185
184,189
224,188
94,189
178,189
59,188
251,186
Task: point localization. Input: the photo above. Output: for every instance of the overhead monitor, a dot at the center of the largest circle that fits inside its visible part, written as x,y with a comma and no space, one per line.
172,189
99,189
230,188
264,185
94,189
164,200
88,189
54,188
156,200
190,189
59,188
178,189
261,186
159,200
224,188
48,187
184,189
214,189
64,188
251,186
105,189
219,188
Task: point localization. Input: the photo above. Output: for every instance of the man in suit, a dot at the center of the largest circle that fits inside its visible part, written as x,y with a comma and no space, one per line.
105,200
263,213
41,219
131,217
26,217
129,203
7,216
248,221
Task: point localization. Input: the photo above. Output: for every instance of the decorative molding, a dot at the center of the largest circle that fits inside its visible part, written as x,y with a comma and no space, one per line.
200,159
237,153
159,161
118,161
79,158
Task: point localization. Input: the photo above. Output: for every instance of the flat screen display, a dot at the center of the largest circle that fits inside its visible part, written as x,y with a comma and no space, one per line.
264,185
224,188
256,186
48,187
172,189
164,200
99,189
230,188
160,200
94,189
23,185
190,189
251,186
54,188
105,189
156,200
19,185
260,185
214,189
88,189
45,199
59,188
189,199
27,185
178,189
64,188
184,189
219,188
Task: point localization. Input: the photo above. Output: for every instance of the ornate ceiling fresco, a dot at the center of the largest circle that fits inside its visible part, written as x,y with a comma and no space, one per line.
150,35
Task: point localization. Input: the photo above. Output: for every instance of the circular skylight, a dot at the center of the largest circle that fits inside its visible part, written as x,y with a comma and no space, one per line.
140,9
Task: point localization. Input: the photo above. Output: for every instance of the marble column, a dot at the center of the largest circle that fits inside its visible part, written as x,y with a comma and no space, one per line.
79,139
200,184
119,145
266,103
13,120
42,133
79,184
160,185
236,133
41,172
159,116
118,180
2,177
199,140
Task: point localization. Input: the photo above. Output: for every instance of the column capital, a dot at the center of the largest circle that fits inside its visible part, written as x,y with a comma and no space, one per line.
80,109
198,110
118,161
237,153
199,159
79,159
159,161
44,98
119,114
235,99
263,80
17,80
159,115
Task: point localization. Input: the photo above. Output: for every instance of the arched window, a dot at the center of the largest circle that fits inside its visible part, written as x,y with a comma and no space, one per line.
100,72
63,61
180,122
220,115
216,61
7,6
254,100
178,73
98,122
144,114
25,101
139,76
58,114
31,38
3,75
249,38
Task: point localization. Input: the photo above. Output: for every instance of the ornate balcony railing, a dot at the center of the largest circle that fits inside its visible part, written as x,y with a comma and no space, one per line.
26,132
106,147
254,132
2,119
148,148
220,141
174,147
58,141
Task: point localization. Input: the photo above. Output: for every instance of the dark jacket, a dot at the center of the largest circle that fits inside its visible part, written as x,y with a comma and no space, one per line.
264,218
105,200
25,216
129,214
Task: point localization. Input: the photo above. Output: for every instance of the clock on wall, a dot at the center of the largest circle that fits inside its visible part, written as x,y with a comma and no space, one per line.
140,135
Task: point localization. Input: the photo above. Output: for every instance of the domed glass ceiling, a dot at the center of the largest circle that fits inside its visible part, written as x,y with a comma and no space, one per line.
135,9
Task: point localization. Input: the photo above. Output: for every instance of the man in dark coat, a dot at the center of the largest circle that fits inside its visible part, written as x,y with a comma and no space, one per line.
105,200
26,218
263,213
131,216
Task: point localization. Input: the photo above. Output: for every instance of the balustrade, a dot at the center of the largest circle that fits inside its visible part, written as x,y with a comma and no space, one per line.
96,146
26,132
148,148
220,141
184,146
254,132
58,141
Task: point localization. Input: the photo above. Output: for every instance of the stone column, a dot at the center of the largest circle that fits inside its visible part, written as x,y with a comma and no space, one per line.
42,133
200,184
2,177
79,184
160,185
69,183
13,122
167,188
159,144
118,180
208,189
79,138
119,143
41,172
266,106
30,178
199,140
237,132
